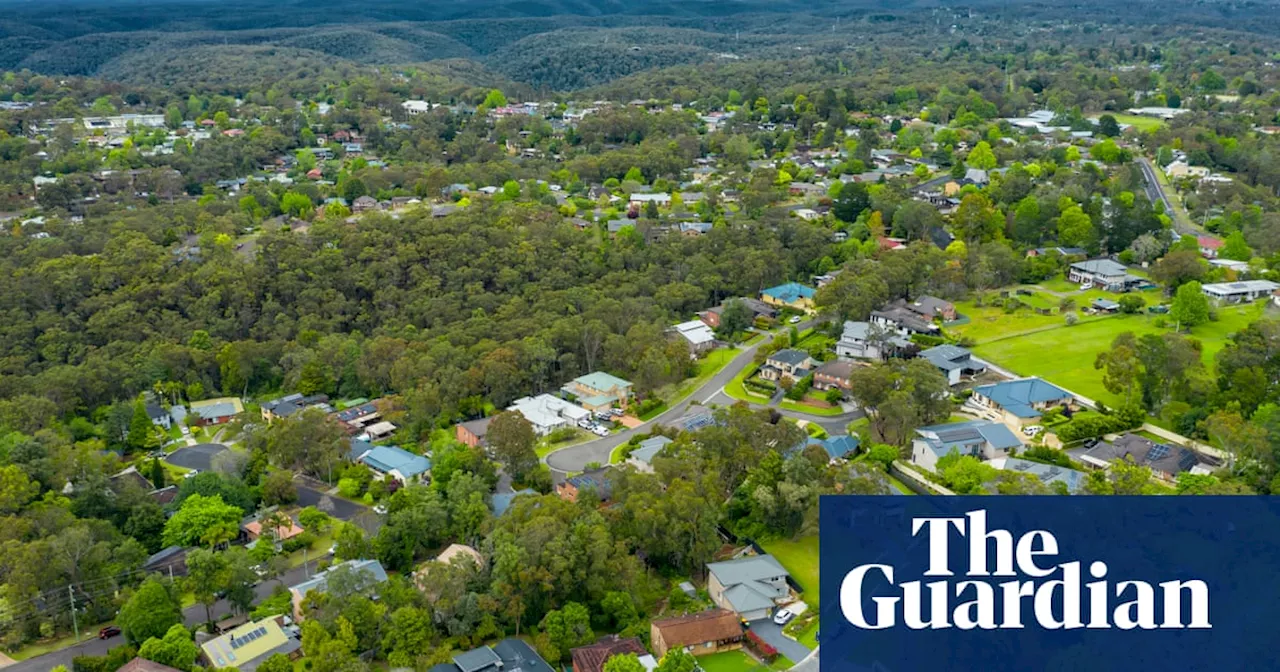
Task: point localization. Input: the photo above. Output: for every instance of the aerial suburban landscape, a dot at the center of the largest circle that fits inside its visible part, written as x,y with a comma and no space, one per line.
527,336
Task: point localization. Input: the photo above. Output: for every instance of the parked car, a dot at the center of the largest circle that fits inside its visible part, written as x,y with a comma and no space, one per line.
108,632
333,550
783,616
1032,430
191,473
186,431
585,423
617,412
600,431
795,319
380,509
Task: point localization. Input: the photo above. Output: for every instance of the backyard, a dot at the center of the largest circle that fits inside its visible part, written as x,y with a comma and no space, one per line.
739,661
1064,355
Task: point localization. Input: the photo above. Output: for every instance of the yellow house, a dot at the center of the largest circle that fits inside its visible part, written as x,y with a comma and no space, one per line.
248,643
792,295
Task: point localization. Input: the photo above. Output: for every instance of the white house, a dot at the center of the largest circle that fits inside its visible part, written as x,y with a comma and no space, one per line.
1239,292
978,438
697,335
547,413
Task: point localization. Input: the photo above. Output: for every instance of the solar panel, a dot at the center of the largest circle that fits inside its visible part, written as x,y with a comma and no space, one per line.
1187,460
1158,452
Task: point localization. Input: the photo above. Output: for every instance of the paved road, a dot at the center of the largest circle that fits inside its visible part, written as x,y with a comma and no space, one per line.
1155,192
198,456
193,615
576,458
771,633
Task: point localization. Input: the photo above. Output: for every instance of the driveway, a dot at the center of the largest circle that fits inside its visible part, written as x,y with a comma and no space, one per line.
343,509
576,458
771,633
199,456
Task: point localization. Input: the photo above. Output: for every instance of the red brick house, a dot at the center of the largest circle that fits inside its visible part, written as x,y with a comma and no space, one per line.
700,634
592,657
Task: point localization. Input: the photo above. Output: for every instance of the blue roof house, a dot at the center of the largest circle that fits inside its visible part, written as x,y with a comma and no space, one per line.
982,439
397,463
1019,402
792,294
642,457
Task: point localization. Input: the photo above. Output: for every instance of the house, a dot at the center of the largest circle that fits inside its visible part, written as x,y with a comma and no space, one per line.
356,417
788,364
246,647
697,335
599,390
1103,273
216,411
1239,292
899,319
642,456
368,571
253,530
1064,251
750,586
164,496
695,228
979,438
930,308
1165,460
954,362
1018,402
700,634
288,405
837,373
759,309
158,415
501,501
615,226
838,447
807,214
472,432
1232,264
1181,169
170,561
415,107
976,176
397,463
639,200
863,340
592,657
598,480
379,431
144,665
1049,474
1209,246
547,413
509,655
364,203
791,295
1105,305
129,477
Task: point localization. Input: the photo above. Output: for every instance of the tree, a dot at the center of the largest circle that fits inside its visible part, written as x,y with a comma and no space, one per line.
677,660
511,438
569,627
1179,266
278,488
141,433
1075,227
1190,306
494,99
16,489
1108,127
207,521
1235,247
982,157
624,663
1120,366
851,202
735,319
1132,304
150,612
278,662
206,578
311,442
298,205
176,649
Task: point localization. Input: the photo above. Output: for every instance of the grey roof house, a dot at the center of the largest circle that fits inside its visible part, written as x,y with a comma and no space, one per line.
954,362
1166,461
750,586
978,438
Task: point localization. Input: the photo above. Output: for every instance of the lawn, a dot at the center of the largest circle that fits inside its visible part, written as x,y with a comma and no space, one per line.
800,558
708,366
1141,123
1065,355
789,405
545,447
738,661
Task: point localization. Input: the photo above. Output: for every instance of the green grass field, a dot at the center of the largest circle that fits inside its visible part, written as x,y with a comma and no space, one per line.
738,661
800,557
1143,124
1065,355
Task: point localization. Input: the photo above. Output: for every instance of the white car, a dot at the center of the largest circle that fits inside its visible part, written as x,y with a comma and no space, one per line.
600,431
380,509
1032,430
186,431
783,616
333,550
794,320
191,473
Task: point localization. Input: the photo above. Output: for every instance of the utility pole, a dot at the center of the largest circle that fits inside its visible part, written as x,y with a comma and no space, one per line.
75,625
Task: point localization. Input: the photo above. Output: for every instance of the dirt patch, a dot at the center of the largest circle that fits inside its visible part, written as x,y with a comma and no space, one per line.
630,421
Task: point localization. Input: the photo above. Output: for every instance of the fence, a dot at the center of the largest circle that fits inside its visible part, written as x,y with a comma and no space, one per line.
916,482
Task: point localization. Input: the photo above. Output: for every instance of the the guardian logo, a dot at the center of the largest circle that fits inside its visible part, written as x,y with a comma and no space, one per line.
1043,589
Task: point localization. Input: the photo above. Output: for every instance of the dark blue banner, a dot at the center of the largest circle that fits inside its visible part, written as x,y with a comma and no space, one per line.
914,584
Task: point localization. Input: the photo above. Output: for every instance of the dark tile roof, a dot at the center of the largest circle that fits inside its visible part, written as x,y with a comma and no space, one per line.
591,658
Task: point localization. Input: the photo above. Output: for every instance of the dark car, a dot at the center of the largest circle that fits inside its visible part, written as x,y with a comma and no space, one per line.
108,632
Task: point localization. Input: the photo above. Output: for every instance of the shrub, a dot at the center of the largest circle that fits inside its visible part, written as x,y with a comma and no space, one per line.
304,540
761,647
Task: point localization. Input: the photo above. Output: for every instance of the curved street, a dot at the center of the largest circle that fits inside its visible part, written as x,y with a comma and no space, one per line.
575,458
